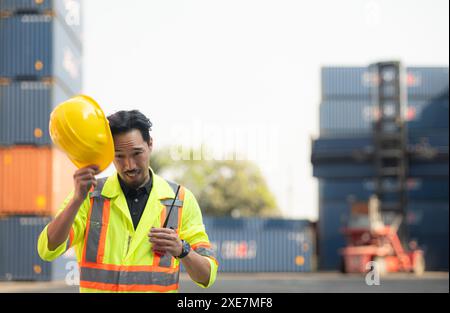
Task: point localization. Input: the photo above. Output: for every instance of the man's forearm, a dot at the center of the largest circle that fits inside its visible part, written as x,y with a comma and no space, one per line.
58,230
197,267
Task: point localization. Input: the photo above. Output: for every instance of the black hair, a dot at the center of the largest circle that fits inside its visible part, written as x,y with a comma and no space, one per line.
124,121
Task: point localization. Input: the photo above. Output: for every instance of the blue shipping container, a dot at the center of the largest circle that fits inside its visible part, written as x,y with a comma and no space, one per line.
428,169
25,109
367,170
436,138
427,218
427,82
361,189
355,82
332,217
37,46
350,118
262,245
359,148
435,248
345,82
325,149
422,218
19,259
329,258
344,170
67,11
346,117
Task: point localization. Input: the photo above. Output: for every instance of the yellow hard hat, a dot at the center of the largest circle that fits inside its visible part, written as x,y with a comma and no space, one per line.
79,127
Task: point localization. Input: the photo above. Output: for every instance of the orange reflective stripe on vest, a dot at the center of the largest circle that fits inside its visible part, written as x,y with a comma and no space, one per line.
129,288
116,280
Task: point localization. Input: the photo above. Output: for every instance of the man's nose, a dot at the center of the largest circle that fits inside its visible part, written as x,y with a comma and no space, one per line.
129,164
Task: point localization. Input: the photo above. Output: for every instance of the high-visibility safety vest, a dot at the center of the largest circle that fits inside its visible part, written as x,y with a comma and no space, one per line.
113,256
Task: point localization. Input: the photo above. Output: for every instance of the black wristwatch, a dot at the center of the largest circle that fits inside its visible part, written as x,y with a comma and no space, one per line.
186,248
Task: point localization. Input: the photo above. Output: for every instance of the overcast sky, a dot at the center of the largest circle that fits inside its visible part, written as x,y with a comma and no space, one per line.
245,75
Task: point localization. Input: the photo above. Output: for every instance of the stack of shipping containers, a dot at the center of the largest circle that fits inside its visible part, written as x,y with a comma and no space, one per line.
40,66
261,244
341,158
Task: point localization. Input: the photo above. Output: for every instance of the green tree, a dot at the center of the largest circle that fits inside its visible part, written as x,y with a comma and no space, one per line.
222,188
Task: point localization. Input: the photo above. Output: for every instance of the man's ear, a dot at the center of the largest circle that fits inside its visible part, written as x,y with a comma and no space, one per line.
150,144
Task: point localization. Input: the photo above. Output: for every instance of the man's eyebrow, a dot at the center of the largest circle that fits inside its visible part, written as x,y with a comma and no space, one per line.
134,149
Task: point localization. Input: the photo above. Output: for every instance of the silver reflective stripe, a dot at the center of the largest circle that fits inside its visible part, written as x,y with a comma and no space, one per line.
97,192
168,202
95,222
173,218
128,278
165,260
173,185
205,251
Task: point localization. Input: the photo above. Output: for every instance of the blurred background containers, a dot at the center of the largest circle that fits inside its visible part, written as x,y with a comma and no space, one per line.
418,189
67,12
19,259
262,245
355,118
40,66
31,103
37,47
340,83
342,158
33,180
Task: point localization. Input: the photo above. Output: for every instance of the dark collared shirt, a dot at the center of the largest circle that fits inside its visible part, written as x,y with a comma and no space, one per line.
136,199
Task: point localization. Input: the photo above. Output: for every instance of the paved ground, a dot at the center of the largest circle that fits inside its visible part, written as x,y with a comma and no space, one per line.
279,282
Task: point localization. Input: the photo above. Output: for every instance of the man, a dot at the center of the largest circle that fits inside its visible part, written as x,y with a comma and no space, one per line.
130,231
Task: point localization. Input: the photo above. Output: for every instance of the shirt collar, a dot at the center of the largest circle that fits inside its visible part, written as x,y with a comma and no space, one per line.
127,190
